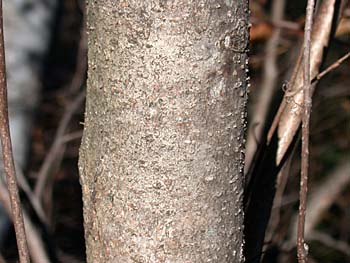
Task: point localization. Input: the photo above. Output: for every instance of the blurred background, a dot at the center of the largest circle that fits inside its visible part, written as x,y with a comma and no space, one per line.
276,40
56,67
46,60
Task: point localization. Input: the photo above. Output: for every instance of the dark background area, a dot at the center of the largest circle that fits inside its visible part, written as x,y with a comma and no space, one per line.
329,137
63,66
63,79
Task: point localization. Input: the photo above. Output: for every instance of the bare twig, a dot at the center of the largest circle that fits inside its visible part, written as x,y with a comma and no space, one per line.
332,67
44,172
321,199
35,243
23,184
281,182
9,166
324,195
283,104
330,242
283,24
76,83
72,136
291,106
301,246
275,121
268,87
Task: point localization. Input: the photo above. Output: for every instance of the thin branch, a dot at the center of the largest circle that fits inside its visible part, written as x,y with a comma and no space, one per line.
72,136
35,243
281,183
284,102
76,83
275,121
330,242
292,105
283,24
35,202
9,166
268,86
331,67
325,195
44,172
301,246
321,198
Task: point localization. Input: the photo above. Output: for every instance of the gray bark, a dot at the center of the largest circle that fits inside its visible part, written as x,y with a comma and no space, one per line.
161,162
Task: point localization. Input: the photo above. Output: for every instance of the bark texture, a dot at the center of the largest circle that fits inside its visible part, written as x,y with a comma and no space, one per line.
161,161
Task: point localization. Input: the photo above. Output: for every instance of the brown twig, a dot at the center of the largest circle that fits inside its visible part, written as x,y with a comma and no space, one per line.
35,202
326,194
301,246
268,86
9,166
72,136
76,83
331,67
281,183
283,24
283,104
44,172
35,243
292,111
321,198
275,121
330,242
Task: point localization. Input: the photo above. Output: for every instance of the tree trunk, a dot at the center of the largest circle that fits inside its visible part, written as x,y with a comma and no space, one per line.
161,161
